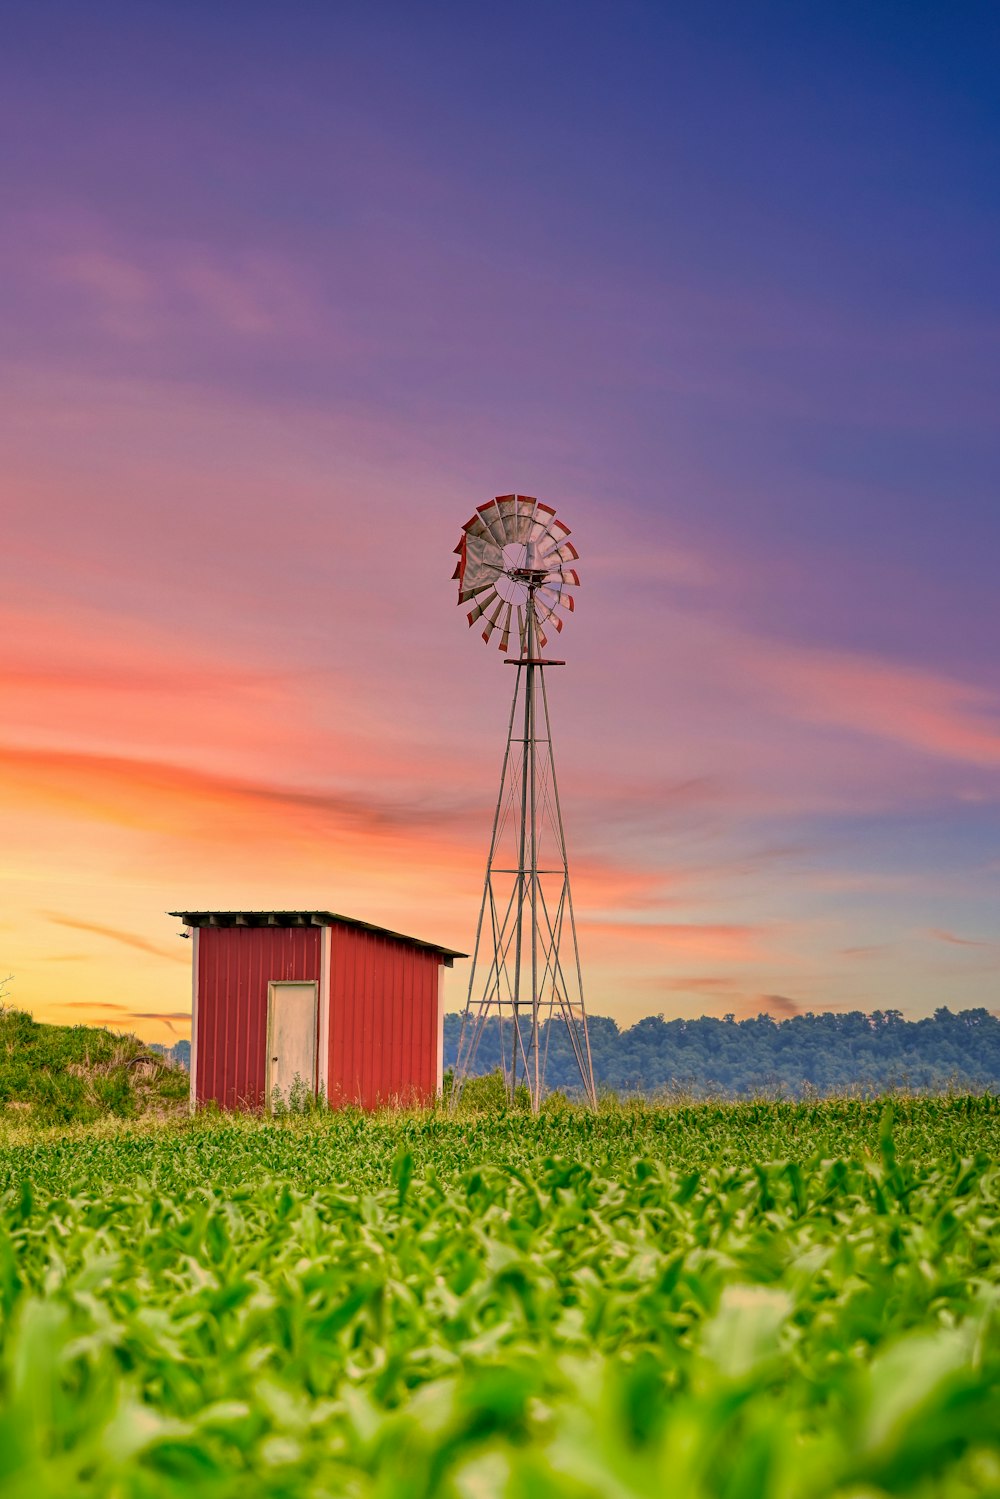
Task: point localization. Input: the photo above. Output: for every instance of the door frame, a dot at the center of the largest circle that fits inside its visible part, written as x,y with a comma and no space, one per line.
274,984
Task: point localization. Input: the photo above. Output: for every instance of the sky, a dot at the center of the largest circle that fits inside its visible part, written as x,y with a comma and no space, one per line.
286,291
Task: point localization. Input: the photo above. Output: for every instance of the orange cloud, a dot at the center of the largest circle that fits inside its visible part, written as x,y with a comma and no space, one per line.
86,682
707,985
691,939
160,797
933,714
942,936
101,1012
100,1006
128,939
209,825
163,1017
734,994
160,1014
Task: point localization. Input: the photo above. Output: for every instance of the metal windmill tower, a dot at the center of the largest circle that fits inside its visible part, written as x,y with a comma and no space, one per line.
515,563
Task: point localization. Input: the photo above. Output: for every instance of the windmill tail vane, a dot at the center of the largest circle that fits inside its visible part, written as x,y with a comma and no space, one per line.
525,996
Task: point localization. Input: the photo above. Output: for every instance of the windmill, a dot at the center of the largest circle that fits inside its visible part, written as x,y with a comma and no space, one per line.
515,567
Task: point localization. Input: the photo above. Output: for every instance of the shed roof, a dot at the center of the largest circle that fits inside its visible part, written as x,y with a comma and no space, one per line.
308,918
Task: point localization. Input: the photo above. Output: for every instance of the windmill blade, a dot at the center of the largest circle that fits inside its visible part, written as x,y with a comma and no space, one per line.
547,603
507,506
539,610
505,629
481,562
491,622
461,549
484,550
548,614
483,604
518,512
470,593
559,583
542,516
475,527
526,506
549,545
493,521
545,538
558,598
567,552
567,575
525,523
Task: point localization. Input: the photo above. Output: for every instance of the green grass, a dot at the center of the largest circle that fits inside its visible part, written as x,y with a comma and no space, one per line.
61,1074
758,1301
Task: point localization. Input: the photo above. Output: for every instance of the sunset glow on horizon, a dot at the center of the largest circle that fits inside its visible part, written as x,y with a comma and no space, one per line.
285,295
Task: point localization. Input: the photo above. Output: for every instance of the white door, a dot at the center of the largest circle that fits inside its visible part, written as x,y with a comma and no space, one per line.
291,1039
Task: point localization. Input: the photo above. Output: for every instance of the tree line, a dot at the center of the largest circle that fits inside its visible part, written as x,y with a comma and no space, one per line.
810,1053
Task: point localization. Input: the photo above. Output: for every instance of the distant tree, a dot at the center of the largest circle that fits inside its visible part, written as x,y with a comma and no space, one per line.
826,1052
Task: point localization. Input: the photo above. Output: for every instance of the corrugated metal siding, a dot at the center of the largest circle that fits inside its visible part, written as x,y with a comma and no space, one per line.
235,966
383,1021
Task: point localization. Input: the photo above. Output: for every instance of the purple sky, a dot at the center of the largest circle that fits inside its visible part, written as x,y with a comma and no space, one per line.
287,291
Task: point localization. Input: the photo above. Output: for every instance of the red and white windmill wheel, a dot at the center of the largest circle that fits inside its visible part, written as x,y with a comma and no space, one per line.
515,555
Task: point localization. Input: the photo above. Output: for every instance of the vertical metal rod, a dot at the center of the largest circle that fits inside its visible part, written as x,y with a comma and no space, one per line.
529,693
536,1087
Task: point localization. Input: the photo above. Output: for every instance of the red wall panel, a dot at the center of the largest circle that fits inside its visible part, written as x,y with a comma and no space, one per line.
235,966
383,1020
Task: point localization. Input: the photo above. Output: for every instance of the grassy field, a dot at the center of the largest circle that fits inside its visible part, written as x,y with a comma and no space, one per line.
752,1300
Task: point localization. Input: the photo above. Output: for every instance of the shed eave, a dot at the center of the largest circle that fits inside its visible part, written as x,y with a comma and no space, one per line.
310,918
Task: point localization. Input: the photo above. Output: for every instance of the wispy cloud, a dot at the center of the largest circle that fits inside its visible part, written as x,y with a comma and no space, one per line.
103,1012
163,1017
952,937
728,941
160,1014
95,1007
733,991
220,818
924,711
115,934
154,293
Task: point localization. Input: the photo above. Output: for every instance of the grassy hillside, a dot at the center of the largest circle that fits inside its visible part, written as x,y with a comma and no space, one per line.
57,1074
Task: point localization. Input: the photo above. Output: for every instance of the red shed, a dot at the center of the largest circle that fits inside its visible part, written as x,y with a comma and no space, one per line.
350,1010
